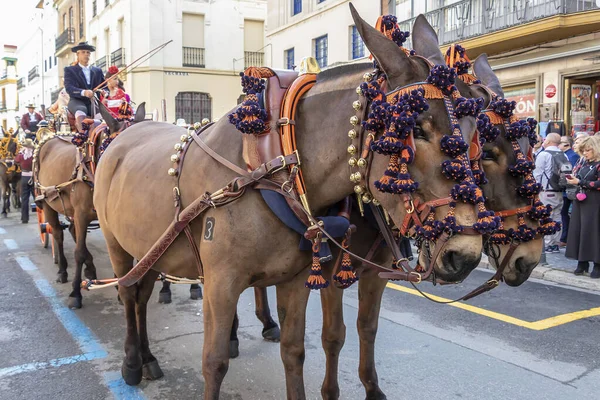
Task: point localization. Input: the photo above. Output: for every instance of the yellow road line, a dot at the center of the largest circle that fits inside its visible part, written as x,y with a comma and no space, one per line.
536,325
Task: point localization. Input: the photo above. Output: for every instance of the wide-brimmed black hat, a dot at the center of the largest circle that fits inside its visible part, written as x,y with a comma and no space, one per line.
83,46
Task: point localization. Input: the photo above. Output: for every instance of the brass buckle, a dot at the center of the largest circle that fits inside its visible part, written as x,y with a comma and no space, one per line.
297,157
397,263
418,275
412,207
284,187
493,282
286,121
283,165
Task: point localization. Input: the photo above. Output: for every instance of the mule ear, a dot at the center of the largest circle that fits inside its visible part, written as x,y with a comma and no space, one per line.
425,41
109,120
483,71
140,113
393,61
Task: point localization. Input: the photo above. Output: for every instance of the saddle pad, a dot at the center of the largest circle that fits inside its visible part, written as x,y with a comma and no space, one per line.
336,226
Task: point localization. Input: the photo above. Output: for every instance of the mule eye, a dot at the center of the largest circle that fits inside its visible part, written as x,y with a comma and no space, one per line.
418,133
488,155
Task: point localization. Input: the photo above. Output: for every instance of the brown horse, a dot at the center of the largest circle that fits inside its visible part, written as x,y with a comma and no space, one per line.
56,163
10,186
250,246
371,287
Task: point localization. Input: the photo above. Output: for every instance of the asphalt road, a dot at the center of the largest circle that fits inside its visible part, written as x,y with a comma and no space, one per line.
532,342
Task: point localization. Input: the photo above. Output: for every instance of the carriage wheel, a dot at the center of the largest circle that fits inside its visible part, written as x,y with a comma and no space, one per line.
43,225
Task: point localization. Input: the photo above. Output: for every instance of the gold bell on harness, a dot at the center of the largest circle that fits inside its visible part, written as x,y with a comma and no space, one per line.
184,138
352,134
356,105
354,120
175,158
178,146
205,121
172,171
367,77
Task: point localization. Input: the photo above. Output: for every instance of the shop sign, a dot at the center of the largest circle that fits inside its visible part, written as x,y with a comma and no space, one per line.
526,102
550,91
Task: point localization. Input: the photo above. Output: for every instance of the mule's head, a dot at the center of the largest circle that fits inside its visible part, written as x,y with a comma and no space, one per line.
115,125
502,187
462,252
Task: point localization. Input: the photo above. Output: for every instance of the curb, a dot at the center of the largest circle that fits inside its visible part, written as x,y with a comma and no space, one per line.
554,275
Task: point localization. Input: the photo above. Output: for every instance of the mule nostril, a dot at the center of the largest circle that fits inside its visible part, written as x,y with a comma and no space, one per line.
458,265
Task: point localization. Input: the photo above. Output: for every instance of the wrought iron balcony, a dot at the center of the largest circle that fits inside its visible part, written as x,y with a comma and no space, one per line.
193,57
65,38
20,83
101,63
253,59
34,73
470,18
117,57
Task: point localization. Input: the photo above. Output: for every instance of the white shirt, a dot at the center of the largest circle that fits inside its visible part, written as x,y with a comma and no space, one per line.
32,117
88,75
543,166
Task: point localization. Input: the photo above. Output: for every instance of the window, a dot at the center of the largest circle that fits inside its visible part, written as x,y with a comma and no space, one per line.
45,65
94,8
296,7
358,46
50,62
193,106
289,58
81,18
71,16
320,1
64,22
321,50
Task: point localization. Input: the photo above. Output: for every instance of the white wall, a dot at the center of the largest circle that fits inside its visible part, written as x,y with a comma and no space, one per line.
331,18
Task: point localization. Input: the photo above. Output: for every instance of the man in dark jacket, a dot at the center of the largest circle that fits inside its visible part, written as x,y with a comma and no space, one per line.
566,144
30,120
80,81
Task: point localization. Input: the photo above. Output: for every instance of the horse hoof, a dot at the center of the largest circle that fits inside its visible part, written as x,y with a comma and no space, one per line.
75,303
234,348
62,278
376,395
196,294
164,298
131,376
271,334
151,371
119,300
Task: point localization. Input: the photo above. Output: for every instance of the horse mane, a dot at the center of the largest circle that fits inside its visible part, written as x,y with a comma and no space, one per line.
341,70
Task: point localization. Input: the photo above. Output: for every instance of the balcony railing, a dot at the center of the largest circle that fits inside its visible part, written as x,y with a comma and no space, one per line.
117,57
193,57
101,63
34,73
253,59
94,8
54,95
67,37
469,18
20,83
3,74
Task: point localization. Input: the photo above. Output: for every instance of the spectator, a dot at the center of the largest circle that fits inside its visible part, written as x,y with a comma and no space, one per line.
584,230
25,159
566,142
537,147
550,194
30,120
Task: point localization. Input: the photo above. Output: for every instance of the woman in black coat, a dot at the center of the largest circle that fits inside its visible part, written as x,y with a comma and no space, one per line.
584,230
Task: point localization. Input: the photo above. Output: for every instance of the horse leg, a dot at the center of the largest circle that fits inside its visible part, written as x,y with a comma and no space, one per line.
150,368
121,261
234,343
370,291
333,338
270,330
90,268
291,309
58,235
195,291
164,296
219,306
81,224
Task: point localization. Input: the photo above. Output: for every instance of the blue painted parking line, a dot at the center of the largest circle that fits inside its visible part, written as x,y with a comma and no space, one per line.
121,390
11,244
35,366
2,231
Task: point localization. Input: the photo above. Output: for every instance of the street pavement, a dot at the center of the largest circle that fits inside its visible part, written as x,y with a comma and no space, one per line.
538,341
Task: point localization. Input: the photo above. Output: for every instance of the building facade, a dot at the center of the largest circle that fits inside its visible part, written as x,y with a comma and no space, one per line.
545,52
71,26
319,28
197,73
9,98
38,66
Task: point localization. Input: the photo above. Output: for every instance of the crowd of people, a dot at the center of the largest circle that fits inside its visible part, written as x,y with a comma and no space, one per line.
569,171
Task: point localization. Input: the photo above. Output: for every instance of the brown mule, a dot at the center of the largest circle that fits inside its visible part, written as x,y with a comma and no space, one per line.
10,186
55,164
250,246
519,265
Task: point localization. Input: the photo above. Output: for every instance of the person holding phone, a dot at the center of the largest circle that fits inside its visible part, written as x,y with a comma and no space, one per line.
584,229
566,144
